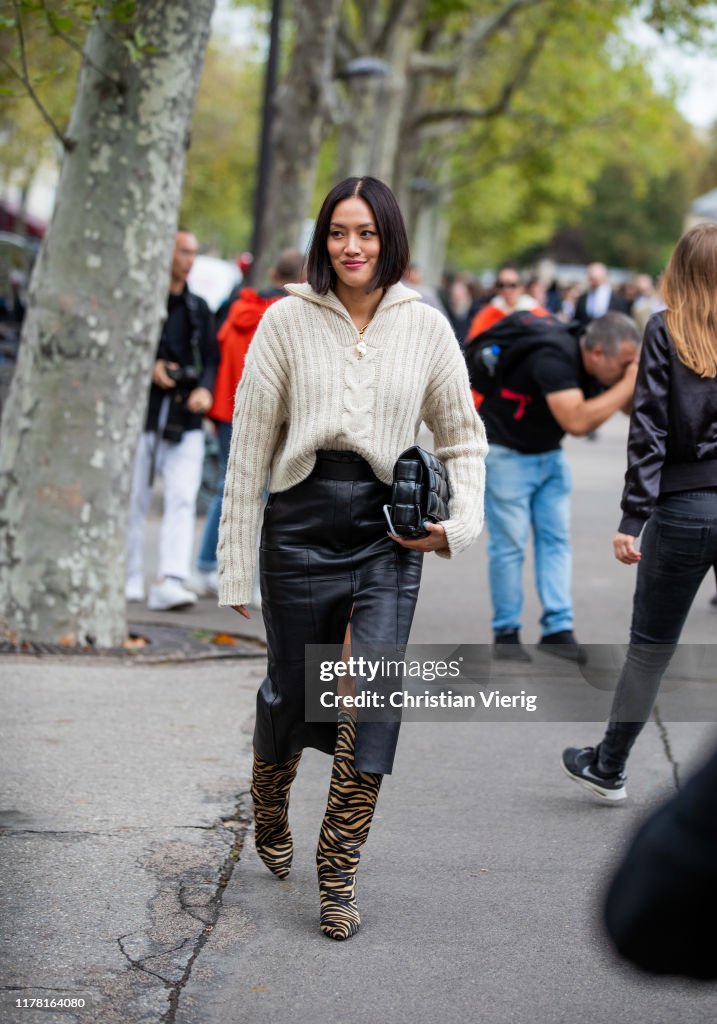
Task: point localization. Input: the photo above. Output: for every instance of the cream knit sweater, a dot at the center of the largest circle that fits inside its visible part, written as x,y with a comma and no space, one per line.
305,387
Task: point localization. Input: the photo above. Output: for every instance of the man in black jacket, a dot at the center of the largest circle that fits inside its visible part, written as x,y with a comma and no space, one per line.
172,443
599,298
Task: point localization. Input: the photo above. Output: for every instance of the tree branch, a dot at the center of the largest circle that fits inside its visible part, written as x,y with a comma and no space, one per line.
546,135
345,46
395,13
24,77
73,44
501,104
484,28
431,64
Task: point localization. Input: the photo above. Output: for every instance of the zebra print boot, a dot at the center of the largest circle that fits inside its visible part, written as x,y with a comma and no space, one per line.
345,829
270,787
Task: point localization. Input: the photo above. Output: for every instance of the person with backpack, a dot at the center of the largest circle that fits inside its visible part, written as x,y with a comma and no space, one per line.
235,335
539,382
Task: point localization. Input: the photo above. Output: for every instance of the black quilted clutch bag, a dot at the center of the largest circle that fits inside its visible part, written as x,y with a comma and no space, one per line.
420,491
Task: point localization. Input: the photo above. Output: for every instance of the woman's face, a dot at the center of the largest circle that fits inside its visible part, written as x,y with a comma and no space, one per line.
353,243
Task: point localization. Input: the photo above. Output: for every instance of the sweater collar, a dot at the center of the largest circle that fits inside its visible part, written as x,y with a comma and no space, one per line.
395,294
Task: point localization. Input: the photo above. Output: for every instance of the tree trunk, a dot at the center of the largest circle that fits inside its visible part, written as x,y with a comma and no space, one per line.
303,109
371,125
76,407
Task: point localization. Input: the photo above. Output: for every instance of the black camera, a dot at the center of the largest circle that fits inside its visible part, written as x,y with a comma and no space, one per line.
186,379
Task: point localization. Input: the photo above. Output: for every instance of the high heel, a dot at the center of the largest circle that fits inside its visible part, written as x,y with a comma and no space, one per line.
345,829
270,792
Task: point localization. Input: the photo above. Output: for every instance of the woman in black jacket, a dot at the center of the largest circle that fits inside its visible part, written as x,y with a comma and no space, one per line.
671,490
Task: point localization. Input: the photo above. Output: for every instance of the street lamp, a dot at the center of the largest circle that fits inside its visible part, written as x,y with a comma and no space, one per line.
365,67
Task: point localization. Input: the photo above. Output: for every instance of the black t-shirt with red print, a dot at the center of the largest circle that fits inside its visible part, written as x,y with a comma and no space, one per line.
518,416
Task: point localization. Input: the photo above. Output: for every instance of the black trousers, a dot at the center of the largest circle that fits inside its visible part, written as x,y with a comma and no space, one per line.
679,547
326,560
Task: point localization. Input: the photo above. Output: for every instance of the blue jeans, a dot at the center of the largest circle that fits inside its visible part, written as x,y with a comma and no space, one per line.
679,547
207,557
525,492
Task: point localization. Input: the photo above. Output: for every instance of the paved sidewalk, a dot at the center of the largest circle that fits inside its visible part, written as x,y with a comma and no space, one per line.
129,876
123,804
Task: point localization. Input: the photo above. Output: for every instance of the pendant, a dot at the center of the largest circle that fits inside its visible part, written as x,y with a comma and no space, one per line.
361,348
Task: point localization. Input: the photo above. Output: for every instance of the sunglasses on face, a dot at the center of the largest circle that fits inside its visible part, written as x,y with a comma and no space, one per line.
508,284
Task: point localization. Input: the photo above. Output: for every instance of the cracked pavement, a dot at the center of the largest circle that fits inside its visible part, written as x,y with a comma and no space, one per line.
128,875
115,852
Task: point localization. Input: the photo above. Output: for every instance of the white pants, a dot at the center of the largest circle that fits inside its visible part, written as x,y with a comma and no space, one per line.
180,465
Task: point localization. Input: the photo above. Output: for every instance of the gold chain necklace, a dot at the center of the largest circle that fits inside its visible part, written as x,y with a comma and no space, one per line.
361,346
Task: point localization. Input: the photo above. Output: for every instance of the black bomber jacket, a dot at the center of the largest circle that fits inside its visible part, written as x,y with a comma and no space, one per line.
673,429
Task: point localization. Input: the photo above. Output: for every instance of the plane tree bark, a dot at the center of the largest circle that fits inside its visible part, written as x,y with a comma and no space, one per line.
72,420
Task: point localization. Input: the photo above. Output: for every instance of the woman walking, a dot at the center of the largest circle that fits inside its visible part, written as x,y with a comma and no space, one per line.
337,381
671,490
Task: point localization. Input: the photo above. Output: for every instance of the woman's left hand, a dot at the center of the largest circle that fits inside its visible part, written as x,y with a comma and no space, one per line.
624,547
435,541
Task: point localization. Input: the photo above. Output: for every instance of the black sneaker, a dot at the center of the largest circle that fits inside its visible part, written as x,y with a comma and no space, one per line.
507,647
579,765
563,645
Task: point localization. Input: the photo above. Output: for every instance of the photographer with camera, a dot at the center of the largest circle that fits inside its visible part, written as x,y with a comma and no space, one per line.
172,443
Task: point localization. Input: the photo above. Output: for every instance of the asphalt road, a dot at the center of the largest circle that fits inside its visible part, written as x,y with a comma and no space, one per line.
128,875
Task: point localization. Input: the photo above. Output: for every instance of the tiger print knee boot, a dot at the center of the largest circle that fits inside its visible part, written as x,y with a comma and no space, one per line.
345,829
270,787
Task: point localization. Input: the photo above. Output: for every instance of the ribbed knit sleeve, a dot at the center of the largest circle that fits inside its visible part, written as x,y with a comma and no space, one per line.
460,441
259,414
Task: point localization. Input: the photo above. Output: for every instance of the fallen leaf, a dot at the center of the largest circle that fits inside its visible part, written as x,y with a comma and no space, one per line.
134,641
224,639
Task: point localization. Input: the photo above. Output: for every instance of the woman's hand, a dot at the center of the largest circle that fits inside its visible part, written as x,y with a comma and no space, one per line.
242,609
435,541
623,544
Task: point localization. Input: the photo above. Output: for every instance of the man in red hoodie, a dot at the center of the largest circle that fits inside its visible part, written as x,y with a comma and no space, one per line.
234,338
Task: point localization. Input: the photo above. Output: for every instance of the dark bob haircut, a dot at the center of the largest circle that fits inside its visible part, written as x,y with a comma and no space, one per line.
394,256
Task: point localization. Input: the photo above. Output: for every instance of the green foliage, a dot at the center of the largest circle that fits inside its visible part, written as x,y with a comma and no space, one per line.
689,21
585,120
221,163
706,168
32,46
588,103
633,220
123,11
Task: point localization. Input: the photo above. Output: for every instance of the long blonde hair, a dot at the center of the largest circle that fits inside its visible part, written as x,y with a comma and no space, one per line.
689,289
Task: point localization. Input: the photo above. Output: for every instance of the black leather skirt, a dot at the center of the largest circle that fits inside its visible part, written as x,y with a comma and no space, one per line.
326,560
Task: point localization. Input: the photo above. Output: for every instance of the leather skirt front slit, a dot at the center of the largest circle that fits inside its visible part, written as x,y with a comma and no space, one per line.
326,559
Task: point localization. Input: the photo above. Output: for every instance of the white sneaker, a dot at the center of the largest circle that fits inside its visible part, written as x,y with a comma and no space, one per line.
134,589
205,584
170,594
